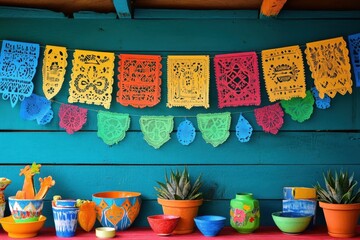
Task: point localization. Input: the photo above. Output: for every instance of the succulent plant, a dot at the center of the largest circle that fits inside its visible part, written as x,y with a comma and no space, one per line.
339,188
178,187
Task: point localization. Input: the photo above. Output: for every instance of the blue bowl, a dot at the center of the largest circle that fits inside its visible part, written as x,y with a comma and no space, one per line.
210,225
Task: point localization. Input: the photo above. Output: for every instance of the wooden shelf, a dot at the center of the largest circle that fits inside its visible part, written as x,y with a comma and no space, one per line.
318,233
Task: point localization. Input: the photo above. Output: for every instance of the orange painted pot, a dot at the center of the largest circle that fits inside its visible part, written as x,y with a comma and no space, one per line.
341,219
117,209
186,209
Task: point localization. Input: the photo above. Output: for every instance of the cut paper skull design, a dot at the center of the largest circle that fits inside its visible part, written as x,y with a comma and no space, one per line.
329,64
92,78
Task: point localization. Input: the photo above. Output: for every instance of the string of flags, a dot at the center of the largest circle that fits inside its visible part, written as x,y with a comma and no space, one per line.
188,79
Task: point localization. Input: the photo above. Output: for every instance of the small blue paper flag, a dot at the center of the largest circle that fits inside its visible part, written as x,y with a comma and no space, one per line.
243,129
354,49
47,118
186,132
18,63
36,107
320,103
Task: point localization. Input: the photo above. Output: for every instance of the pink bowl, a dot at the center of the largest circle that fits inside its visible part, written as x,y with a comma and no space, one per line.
163,224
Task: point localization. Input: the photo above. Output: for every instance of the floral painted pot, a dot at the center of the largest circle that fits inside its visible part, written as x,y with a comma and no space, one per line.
117,209
244,213
65,219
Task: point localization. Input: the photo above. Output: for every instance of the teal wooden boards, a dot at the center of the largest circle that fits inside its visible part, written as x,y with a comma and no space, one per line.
299,148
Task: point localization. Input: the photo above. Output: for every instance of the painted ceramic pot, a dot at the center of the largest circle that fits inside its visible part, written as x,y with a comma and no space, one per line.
244,213
117,209
25,210
65,219
65,203
4,182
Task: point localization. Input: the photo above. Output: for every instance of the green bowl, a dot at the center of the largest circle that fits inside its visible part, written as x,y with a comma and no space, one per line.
293,223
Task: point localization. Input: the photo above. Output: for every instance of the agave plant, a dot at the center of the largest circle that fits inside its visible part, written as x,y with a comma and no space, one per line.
178,187
338,189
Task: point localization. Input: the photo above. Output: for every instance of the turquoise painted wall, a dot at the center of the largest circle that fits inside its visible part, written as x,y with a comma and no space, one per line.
82,164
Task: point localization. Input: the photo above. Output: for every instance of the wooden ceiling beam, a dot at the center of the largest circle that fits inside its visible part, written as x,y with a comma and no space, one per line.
106,6
199,4
65,6
271,8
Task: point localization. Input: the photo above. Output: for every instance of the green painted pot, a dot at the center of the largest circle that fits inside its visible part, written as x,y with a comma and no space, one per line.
244,213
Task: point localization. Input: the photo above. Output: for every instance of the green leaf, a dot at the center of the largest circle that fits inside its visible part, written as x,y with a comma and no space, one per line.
339,188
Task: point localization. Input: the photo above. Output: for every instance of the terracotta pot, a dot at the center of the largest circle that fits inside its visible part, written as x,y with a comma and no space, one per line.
186,209
341,219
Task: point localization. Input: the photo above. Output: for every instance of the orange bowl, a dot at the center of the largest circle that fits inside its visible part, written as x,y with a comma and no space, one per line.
117,209
22,230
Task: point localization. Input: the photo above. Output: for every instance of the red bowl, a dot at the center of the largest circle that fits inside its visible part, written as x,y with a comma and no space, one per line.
163,224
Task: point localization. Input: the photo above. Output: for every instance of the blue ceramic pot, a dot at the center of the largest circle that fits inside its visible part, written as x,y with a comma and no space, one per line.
65,220
25,210
65,203
117,209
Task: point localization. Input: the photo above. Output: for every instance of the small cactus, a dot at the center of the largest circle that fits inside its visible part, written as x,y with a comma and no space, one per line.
178,187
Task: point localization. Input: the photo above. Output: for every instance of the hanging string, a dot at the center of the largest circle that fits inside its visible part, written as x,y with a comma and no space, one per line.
117,53
138,115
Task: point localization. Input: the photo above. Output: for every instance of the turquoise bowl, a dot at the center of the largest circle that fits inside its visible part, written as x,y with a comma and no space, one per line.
210,225
117,209
290,222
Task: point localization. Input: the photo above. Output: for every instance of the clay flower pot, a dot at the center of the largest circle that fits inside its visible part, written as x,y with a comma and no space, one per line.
186,209
341,219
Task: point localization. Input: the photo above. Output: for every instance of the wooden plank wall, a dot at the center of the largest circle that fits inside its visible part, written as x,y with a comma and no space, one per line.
82,164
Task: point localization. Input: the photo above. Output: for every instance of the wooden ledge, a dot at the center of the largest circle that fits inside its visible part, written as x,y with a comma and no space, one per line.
318,233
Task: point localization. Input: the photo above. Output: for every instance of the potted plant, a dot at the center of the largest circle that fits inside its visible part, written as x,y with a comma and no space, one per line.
340,202
180,198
